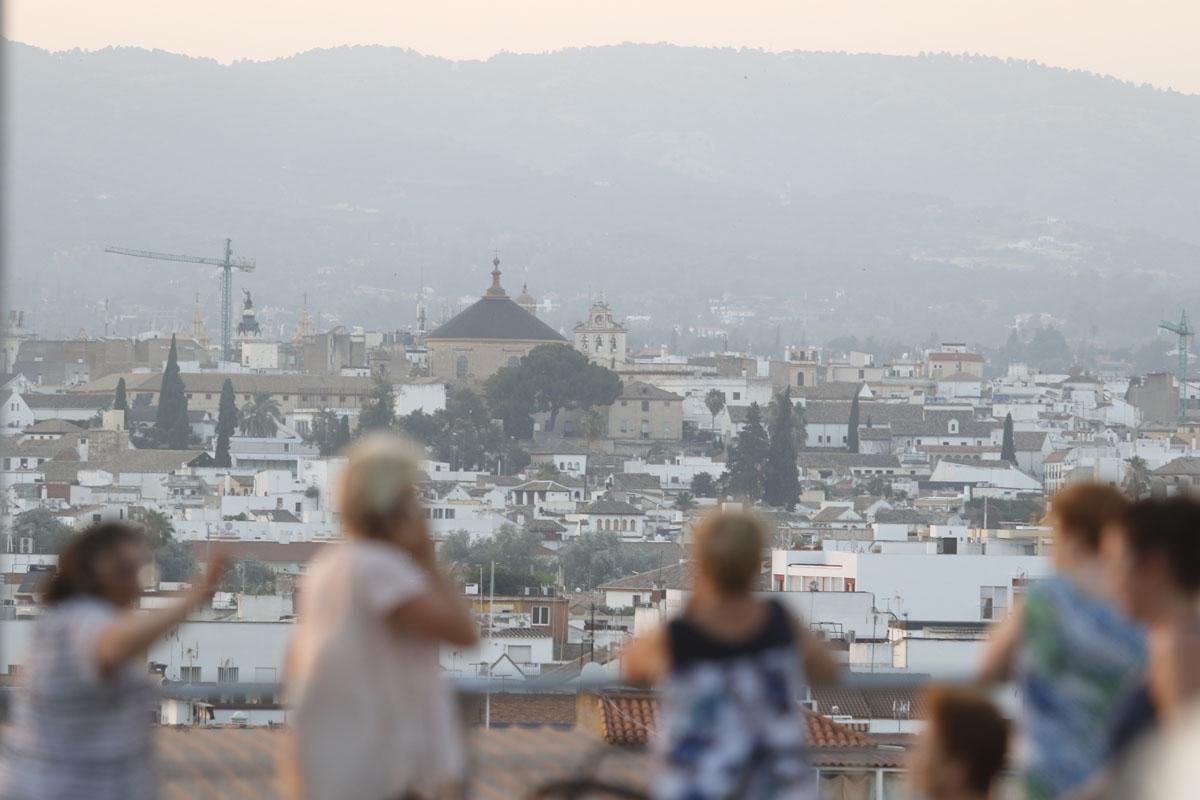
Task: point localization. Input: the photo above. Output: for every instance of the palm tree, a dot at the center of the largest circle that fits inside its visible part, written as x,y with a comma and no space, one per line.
1137,477
260,417
714,401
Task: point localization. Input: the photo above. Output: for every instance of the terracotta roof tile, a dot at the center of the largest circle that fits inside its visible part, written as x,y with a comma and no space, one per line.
629,720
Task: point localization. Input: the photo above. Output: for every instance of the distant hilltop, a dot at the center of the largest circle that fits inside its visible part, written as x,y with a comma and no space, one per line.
838,181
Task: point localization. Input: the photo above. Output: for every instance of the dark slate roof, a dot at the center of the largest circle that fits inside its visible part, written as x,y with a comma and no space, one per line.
673,576
608,506
637,390
878,413
1185,465
496,318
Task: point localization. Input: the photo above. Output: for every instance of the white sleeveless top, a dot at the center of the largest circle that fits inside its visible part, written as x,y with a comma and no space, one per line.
372,716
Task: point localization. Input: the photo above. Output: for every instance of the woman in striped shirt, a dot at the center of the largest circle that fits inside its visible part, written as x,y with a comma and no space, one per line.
82,724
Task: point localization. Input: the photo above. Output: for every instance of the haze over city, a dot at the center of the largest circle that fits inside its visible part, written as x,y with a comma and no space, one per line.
481,397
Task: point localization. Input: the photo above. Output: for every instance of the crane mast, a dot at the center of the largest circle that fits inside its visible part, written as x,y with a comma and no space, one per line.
227,264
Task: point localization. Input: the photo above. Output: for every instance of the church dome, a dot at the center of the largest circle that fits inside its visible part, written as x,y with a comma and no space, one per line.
495,316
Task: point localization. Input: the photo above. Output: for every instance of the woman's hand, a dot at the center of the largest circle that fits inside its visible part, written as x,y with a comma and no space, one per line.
412,536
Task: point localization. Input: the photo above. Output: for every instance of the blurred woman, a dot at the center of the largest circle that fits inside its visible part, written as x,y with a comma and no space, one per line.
962,747
1074,656
1154,561
732,669
82,724
372,718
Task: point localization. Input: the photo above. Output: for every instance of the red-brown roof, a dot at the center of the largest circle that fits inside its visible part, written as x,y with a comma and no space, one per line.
629,720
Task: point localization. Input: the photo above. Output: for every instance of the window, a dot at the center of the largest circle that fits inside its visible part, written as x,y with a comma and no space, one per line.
993,602
189,674
449,513
541,615
520,653
645,405
637,599
227,674
460,367
208,397
737,395
799,378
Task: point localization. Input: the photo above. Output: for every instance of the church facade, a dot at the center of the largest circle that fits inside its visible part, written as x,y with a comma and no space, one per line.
600,337
492,333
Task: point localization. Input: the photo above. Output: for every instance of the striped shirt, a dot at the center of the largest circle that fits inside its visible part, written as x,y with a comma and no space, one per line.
76,733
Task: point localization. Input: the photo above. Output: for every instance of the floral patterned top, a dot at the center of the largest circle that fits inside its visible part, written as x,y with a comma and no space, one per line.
732,726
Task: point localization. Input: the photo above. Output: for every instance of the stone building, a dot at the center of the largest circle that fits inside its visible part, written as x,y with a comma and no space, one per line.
491,333
646,412
600,337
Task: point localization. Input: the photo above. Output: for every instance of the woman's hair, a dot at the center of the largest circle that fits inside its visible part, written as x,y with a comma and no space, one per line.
969,730
378,483
1082,511
729,547
77,562
1170,527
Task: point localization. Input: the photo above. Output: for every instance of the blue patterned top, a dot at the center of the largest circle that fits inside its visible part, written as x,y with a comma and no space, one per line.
1079,658
731,723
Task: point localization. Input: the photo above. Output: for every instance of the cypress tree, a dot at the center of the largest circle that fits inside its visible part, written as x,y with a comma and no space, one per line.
171,427
748,457
1008,447
782,481
852,433
227,418
120,403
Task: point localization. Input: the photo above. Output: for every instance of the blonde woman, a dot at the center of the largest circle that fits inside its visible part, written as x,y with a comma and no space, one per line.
732,669
372,718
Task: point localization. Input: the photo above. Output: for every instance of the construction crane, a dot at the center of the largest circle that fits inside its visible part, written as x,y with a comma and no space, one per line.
227,264
1185,332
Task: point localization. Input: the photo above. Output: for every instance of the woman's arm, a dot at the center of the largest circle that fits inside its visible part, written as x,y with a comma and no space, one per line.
644,660
441,614
1000,652
133,631
820,667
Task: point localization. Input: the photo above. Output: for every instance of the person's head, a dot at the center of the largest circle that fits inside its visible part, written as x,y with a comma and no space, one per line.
962,747
1154,558
103,562
728,551
379,496
1081,512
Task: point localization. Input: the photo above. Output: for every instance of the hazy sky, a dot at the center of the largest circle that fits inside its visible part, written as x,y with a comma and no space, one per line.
1152,41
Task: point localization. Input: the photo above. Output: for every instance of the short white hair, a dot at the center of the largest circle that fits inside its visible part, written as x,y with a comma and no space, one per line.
381,471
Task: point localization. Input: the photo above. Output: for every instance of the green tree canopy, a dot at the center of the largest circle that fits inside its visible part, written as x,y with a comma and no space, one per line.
47,532
260,416
464,434
172,430
553,377
379,411
746,466
517,553
703,485
781,485
120,401
249,576
1008,445
597,557
852,426
158,528
227,422
175,562
714,401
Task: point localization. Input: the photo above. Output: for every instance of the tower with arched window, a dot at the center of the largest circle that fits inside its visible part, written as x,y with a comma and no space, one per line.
600,337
